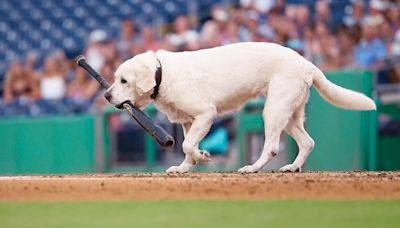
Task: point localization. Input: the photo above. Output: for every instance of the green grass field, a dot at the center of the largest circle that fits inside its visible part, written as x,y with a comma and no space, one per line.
274,213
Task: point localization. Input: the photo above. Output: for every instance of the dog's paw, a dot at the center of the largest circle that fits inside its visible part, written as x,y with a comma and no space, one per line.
202,156
290,168
248,169
178,169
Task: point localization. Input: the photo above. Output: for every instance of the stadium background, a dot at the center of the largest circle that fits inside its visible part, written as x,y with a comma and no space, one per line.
54,120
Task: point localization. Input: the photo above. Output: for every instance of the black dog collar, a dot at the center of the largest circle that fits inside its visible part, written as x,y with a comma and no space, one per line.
158,78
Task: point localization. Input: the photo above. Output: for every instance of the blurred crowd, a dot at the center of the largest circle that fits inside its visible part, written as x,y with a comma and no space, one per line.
367,36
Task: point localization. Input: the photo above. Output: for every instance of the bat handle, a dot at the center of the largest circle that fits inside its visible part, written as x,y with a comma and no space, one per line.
81,61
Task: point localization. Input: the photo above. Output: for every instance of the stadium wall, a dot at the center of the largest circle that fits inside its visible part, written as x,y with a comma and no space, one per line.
47,145
344,139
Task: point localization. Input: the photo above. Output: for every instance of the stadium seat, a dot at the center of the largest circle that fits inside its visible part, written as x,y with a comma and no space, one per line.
45,25
19,107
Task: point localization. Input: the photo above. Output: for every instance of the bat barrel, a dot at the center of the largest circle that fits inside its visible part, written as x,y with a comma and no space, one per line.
169,142
155,131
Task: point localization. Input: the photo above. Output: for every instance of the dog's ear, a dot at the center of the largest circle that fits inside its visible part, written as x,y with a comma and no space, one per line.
145,72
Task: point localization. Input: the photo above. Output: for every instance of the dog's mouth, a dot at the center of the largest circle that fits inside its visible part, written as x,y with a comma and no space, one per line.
121,105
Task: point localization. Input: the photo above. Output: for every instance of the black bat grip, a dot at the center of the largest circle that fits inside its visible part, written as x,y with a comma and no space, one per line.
81,61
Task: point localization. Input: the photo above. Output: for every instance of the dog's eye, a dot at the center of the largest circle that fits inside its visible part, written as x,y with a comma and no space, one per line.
123,81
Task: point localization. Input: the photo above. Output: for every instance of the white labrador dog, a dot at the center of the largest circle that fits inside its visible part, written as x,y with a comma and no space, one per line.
192,88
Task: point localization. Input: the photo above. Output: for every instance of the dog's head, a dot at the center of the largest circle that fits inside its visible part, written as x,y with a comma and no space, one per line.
134,81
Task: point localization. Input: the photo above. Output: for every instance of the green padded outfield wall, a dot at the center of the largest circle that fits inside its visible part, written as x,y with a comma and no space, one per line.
47,145
344,140
389,145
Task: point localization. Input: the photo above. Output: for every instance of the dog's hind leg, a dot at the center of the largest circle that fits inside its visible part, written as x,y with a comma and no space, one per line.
305,143
283,98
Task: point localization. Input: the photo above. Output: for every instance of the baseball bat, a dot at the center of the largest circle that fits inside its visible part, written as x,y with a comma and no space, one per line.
155,131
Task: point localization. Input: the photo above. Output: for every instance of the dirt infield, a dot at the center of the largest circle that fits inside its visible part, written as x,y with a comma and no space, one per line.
335,185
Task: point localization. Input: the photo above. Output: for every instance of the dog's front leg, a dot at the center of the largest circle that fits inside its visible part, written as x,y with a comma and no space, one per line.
189,161
196,132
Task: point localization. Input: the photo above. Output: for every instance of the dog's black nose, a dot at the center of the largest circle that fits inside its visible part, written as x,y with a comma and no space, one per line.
108,96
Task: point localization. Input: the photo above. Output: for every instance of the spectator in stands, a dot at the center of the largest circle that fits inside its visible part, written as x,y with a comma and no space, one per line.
212,30
377,8
371,51
148,39
215,31
260,6
127,39
330,59
323,14
302,19
386,32
232,33
300,15
183,36
346,48
250,25
278,8
111,54
390,73
52,83
356,15
20,82
97,49
297,45
393,15
82,87
395,46
314,37
309,40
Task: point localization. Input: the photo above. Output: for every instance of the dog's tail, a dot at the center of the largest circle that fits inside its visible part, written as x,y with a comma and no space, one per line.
339,96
